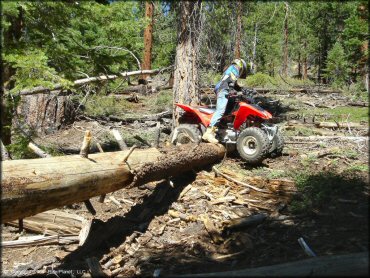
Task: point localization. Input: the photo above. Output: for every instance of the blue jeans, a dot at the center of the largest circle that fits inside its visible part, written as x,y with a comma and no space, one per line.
220,107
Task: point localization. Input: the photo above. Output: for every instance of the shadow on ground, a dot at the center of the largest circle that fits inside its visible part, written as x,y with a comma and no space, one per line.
329,211
106,235
332,217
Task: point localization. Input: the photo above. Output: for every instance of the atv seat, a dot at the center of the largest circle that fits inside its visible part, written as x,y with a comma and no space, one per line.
207,110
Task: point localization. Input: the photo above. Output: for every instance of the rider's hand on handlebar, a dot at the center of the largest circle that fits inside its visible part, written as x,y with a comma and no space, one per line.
249,92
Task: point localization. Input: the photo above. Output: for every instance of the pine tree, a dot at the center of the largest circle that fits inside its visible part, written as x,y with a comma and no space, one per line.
337,67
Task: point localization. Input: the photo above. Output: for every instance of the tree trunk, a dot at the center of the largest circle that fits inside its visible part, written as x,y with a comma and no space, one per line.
11,41
185,88
285,60
239,8
35,185
6,119
255,46
299,66
45,113
320,66
148,38
305,69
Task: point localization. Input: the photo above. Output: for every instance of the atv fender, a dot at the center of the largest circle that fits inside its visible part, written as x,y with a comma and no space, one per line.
205,119
246,110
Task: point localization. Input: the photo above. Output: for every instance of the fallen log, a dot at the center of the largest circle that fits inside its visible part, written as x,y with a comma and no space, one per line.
40,240
353,265
83,81
248,221
143,89
36,185
152,117
318,138
53,222
338,125
37,150
298,90
360,104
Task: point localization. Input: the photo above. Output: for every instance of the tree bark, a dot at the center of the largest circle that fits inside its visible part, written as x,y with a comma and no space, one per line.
45,113
238,29
185,88
36,185
148,38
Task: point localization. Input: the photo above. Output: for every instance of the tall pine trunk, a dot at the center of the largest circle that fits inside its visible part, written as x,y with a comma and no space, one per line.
11,39
148,38
185,88
285,59
238,29
255,46
305,69
299,66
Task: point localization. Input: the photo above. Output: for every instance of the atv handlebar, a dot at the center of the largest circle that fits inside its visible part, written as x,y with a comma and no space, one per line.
245,94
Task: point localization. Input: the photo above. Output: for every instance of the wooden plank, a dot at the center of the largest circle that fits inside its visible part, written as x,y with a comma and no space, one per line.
52,222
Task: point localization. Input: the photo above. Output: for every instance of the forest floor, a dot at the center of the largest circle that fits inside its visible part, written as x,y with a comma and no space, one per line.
317,190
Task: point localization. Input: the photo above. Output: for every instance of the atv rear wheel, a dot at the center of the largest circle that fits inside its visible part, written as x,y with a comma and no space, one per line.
253,145
185,134
277,145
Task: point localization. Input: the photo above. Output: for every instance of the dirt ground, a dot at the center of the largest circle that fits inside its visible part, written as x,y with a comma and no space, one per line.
317,190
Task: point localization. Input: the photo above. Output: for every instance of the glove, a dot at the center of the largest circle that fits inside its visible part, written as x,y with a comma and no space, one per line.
249,92
232,93
250,100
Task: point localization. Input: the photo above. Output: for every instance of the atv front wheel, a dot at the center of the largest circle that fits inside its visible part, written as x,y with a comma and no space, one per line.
185,134
253,145
277,145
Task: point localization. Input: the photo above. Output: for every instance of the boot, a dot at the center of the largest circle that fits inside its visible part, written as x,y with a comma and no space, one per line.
209,135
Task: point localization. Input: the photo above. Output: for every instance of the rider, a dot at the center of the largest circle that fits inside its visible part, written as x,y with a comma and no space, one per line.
238,69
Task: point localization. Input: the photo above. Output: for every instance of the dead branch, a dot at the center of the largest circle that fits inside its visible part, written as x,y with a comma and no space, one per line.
238,182
83,81
37,150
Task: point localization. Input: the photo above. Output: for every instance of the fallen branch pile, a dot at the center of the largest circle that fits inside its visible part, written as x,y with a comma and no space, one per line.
220,206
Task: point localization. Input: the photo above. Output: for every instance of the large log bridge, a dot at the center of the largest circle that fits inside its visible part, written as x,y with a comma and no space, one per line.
31,186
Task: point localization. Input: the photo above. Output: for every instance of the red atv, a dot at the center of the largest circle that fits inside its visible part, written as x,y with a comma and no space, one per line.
244,126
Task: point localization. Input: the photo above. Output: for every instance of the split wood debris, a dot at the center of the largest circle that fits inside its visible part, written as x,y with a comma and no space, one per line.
224,206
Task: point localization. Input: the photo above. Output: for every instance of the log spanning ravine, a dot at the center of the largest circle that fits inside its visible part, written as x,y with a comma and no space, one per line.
31,186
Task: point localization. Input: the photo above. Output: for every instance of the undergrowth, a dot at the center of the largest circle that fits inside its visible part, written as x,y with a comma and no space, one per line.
319,190
98,105
353,114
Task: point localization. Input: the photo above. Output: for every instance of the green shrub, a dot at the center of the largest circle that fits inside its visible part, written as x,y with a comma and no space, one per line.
160,102
18,149
258,80
106,105
209,77
357,92
32,70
